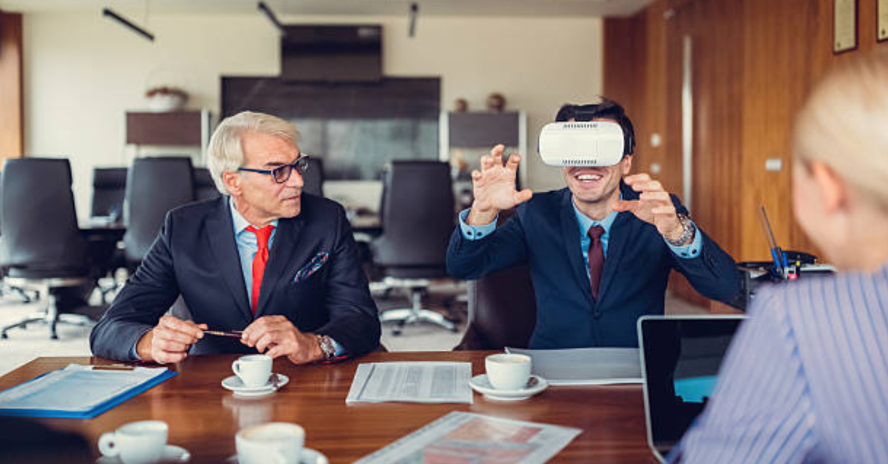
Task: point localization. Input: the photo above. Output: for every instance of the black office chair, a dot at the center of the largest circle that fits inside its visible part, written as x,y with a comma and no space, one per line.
204,186
109,190
418,218
41,245
502,311
153,187
314,177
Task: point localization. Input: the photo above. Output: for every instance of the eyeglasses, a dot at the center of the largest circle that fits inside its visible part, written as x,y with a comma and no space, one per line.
281,174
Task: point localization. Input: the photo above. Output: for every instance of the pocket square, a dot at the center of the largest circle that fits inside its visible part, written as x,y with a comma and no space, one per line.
316,263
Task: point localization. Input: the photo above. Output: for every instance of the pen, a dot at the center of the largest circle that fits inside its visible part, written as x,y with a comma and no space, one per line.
222,333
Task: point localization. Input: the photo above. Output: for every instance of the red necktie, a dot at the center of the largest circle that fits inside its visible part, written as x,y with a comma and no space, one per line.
596,259
259,260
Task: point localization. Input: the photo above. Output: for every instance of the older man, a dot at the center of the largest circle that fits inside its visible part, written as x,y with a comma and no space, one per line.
264,259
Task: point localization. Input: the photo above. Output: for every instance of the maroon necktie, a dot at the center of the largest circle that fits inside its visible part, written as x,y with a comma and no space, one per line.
259,260
596,259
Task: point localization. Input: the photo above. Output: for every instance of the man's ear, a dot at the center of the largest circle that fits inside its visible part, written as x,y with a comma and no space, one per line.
232,182
626,164
833,190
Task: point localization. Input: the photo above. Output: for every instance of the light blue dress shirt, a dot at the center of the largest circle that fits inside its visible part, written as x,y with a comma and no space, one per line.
248,245
470,232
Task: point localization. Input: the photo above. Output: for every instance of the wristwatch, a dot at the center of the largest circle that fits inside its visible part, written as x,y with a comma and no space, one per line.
687,235
327,346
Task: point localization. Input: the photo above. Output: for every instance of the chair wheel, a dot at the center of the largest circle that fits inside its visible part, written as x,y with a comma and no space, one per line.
4,336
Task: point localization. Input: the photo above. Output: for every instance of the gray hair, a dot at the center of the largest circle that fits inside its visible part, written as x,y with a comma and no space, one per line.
844,123
225,152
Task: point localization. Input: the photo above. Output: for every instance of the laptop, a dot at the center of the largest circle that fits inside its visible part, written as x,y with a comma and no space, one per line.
680,361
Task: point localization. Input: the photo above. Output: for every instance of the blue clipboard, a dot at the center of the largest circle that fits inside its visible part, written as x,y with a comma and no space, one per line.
96,410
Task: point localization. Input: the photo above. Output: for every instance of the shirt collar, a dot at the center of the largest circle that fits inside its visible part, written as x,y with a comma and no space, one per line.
240,223
587,223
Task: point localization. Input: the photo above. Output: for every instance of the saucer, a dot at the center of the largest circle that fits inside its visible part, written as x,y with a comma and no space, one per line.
171,453
480,384
309,456
235,384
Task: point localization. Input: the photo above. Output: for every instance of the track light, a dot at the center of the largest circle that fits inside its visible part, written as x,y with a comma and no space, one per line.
414,12
132,26
271,17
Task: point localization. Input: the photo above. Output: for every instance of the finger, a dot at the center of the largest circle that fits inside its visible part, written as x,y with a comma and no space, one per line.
635,178
658,196
253,332
476,175
162,357
513,161
496,154
268,339
665,210
170,346
178,325
486,162
625,205
276,352
163,333
651,186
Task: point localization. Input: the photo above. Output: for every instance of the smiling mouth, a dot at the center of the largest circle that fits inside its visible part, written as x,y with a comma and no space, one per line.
588,178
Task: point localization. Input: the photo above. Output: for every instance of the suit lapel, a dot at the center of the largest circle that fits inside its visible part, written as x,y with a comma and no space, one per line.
285,240
570,234
220,230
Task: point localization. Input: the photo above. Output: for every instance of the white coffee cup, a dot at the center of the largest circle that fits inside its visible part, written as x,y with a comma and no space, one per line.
508,371
271,443
139,442
254,370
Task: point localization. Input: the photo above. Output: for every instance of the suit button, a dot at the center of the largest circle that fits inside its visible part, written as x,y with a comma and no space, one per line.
596,314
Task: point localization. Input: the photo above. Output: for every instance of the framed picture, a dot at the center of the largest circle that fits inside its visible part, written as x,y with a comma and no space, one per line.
882,20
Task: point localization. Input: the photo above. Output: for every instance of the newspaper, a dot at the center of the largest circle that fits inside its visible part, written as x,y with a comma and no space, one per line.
412,382
462,437
585,366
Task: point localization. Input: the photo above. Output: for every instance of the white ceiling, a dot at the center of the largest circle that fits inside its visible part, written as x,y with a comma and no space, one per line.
292,8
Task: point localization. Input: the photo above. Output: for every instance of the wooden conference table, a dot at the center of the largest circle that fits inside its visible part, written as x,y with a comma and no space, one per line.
203,417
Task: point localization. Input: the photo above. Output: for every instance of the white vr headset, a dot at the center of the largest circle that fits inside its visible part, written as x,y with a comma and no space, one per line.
590,143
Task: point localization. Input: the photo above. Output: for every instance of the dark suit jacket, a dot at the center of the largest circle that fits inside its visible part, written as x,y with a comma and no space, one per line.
544,234
196,256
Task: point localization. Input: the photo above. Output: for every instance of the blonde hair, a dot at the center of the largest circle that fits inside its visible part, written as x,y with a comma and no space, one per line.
844,124
225,152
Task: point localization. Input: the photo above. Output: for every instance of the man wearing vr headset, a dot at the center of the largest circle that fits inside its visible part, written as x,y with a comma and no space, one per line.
600,251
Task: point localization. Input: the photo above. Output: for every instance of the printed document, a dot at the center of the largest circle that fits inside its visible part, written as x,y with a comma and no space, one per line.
585,366
412,382
462,437
75,388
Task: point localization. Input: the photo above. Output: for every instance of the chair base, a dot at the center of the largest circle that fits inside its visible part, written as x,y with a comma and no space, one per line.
51,315
415,314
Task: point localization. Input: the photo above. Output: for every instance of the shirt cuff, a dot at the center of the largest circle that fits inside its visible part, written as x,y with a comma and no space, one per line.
134,355
339,351
689,251
474,232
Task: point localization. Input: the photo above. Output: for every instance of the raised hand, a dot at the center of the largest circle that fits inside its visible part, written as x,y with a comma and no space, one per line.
653,206
494,187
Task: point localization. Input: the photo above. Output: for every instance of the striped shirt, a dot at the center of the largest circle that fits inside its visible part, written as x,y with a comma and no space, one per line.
805,381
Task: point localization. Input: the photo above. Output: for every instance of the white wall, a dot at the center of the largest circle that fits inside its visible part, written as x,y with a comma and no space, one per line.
82,72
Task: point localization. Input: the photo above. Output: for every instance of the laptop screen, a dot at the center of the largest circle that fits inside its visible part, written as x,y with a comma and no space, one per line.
681,357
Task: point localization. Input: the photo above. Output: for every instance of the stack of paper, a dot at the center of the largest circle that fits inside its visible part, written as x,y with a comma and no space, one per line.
413,382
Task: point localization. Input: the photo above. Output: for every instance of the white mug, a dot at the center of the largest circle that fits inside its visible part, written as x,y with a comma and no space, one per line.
254,370
508,371
140,442
271,443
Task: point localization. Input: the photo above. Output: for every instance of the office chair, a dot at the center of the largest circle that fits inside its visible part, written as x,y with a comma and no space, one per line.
314,177
418,218
502,311
41,245
153,187
204,187
109,190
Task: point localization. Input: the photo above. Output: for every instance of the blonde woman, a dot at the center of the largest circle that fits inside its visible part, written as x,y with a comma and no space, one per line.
807,377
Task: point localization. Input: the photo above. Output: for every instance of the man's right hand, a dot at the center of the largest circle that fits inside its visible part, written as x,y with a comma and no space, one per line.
494,187
169,341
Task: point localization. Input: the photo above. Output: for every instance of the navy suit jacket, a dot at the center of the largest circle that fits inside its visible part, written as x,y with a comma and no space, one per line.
195,256
544,233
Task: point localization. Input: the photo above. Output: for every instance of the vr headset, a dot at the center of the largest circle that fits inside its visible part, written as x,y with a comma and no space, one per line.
587,143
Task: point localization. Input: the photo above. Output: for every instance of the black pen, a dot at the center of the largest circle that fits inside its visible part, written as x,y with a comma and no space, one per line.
221,333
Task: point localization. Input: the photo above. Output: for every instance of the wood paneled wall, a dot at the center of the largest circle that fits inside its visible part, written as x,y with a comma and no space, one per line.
754,63
11,102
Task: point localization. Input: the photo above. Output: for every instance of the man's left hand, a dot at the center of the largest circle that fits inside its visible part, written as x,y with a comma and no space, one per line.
277,336
654,205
